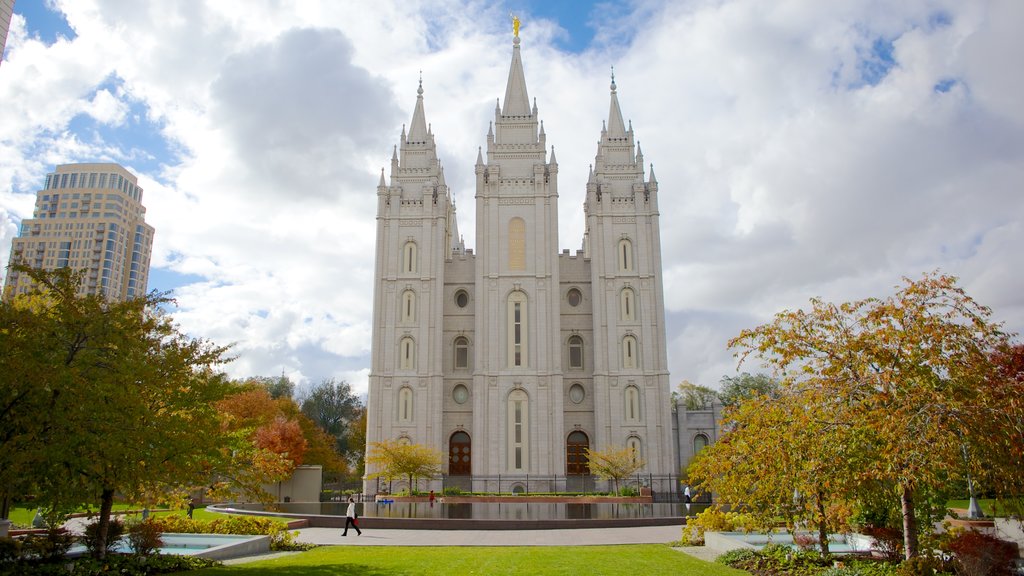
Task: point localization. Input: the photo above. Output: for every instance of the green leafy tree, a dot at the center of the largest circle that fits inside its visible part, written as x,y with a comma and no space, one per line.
126,402
399,459
278,387
744,386
615,463
905,373
693,396
333,407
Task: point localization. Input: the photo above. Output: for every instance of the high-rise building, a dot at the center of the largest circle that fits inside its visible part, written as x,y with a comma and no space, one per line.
91,217
6,10
515,359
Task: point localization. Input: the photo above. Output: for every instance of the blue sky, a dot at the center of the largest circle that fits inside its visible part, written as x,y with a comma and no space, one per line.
802,148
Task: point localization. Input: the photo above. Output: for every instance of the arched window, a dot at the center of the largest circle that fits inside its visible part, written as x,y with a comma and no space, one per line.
625,255
461,352
629,352
636,448
518,431
409,256
627,305
405,404
575,353
517,244
517,325
408,306
632,403
406,353
576,461
700,442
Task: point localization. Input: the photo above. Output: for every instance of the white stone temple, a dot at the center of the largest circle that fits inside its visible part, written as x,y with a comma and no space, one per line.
513,359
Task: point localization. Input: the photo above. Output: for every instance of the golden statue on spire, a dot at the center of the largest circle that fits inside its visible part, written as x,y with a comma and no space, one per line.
515,24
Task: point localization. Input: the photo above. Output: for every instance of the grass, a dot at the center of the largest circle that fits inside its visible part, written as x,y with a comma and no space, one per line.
519,560
988,506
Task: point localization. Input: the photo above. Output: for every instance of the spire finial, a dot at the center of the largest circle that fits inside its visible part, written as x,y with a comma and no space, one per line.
613,79
419,91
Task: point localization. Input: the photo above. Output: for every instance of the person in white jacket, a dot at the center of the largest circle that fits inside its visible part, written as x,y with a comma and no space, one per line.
350,517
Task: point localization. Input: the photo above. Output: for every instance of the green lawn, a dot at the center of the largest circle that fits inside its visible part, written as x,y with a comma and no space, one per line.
629,560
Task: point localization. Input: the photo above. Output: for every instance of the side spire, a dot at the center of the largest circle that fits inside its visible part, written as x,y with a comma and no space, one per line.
418,129
616,128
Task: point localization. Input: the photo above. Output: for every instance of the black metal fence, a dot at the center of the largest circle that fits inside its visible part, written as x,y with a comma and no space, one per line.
661,488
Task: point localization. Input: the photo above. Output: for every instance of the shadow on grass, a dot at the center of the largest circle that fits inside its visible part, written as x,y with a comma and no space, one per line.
340,569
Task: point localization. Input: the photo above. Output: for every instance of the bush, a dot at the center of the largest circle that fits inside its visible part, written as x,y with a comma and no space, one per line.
113,564
888,541
50,546
922,566
280,537
715,520
452,491
91,537
144,538
737,557
10,549
979,554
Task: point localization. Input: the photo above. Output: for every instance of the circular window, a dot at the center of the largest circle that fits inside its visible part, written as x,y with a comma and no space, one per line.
574,297
461,298
460,394
577,393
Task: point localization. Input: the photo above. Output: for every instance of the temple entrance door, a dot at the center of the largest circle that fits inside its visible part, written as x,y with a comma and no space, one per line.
460,455
576,462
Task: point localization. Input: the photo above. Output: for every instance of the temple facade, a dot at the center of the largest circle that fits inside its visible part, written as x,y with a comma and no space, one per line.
513,359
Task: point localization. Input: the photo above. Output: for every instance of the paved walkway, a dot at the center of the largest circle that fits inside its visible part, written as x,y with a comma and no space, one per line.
567,537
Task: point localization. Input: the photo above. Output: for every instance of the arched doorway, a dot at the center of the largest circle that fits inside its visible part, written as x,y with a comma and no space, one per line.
460,455
576,462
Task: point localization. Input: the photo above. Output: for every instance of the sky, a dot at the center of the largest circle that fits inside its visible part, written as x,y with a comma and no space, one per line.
802,148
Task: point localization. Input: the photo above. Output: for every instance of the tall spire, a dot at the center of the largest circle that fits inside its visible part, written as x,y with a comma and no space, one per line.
418,129
517,101
616,128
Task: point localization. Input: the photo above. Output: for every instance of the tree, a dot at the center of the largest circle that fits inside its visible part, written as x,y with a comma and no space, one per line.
333,407
397,459
279,387
783,458
614,463
693,396
357,440
124,401
277,437
736,389
904,374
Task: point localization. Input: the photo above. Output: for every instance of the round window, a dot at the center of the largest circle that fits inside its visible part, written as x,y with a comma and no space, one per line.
576,393
461,298
460,394
574,297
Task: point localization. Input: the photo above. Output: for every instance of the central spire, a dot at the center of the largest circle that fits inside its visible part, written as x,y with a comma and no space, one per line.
517,101
616,128
418,129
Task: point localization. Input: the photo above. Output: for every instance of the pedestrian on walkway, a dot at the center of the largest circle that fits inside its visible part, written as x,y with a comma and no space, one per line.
351,517
686,493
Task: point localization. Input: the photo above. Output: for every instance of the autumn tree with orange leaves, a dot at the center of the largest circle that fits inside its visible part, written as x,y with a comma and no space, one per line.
277,437
903,392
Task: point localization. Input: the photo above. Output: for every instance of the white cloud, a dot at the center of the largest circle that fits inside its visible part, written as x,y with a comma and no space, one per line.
802,149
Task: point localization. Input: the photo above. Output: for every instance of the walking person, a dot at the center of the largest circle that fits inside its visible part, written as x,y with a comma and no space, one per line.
350,517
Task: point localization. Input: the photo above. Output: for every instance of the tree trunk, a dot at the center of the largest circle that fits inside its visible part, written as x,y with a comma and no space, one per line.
909,523
106,505
822,525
